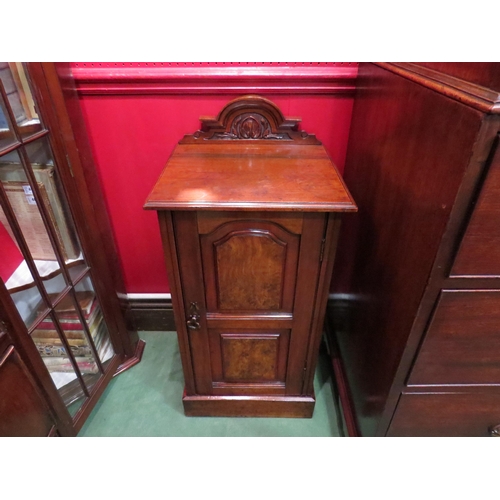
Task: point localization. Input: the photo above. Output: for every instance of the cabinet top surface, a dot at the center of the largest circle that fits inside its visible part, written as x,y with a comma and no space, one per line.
248,175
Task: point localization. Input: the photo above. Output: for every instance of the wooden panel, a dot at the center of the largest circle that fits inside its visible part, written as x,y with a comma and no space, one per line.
454,414
249,359
249,266
250,271
462,344
209,221
23,411
250,177
479,252
404,169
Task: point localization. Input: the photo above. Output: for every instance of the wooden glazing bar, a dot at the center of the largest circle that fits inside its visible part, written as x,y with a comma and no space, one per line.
10,148
86,329
64,340
82,275
35,137
43,213
42,317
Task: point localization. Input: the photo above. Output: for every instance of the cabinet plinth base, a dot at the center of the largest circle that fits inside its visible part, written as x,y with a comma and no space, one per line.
249,406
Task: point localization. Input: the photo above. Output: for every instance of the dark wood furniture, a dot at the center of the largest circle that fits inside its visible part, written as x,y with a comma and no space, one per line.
417,309
249,213
63,334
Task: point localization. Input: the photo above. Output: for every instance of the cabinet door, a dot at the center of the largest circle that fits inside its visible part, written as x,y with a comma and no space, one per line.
23,411
249,285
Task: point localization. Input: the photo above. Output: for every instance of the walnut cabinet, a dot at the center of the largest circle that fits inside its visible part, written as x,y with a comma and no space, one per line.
249,215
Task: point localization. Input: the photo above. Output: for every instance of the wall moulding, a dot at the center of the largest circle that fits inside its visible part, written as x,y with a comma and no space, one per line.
214,78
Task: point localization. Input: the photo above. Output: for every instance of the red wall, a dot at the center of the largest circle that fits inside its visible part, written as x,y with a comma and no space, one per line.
11,255
136,113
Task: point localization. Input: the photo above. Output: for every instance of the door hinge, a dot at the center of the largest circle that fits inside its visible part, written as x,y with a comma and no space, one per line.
70,167
322,250
304,372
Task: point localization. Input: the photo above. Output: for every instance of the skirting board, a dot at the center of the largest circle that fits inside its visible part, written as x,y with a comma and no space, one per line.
150,312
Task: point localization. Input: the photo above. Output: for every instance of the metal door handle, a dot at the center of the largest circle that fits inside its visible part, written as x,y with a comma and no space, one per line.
495,431
193,321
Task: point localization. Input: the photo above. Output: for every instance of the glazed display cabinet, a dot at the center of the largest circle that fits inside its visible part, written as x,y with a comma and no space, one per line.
62,330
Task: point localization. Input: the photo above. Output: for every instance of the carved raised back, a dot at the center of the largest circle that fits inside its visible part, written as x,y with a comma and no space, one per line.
250,118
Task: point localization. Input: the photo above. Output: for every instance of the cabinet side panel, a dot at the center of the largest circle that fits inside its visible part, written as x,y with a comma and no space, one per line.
409,148
171,261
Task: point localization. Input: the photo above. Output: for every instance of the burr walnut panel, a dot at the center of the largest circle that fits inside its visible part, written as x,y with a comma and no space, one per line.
249,358
250,271
254,359
247,264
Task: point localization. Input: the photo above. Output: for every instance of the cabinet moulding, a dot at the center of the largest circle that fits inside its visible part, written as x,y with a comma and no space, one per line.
215,80
470,94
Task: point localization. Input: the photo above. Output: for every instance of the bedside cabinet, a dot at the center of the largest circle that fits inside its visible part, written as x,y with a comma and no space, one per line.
249,215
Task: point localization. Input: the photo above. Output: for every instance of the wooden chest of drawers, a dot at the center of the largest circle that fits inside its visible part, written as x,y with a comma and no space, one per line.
249,215
421,342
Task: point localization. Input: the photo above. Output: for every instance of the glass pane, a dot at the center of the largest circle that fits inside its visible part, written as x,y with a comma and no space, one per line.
20,195
7,137
76,335
96,323
20,98
16,275
76,270
46,174
57,361
52,349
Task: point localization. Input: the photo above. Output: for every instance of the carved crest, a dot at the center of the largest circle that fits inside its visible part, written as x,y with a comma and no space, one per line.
250,118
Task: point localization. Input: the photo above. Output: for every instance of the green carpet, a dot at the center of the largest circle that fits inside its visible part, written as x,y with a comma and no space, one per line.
146,401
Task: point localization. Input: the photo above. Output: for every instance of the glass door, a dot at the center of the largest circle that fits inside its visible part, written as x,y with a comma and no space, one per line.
42,263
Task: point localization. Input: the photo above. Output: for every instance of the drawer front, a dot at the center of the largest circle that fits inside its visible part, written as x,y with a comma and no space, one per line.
462,343
479,252
457,414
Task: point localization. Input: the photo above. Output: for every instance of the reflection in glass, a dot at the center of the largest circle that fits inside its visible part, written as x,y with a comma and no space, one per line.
75,406
76,270
20,98
96,323
20,196
42,163
57,361
17,276
52,349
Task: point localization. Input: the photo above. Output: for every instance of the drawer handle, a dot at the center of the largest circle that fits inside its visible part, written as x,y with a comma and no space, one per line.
495,431
193,322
